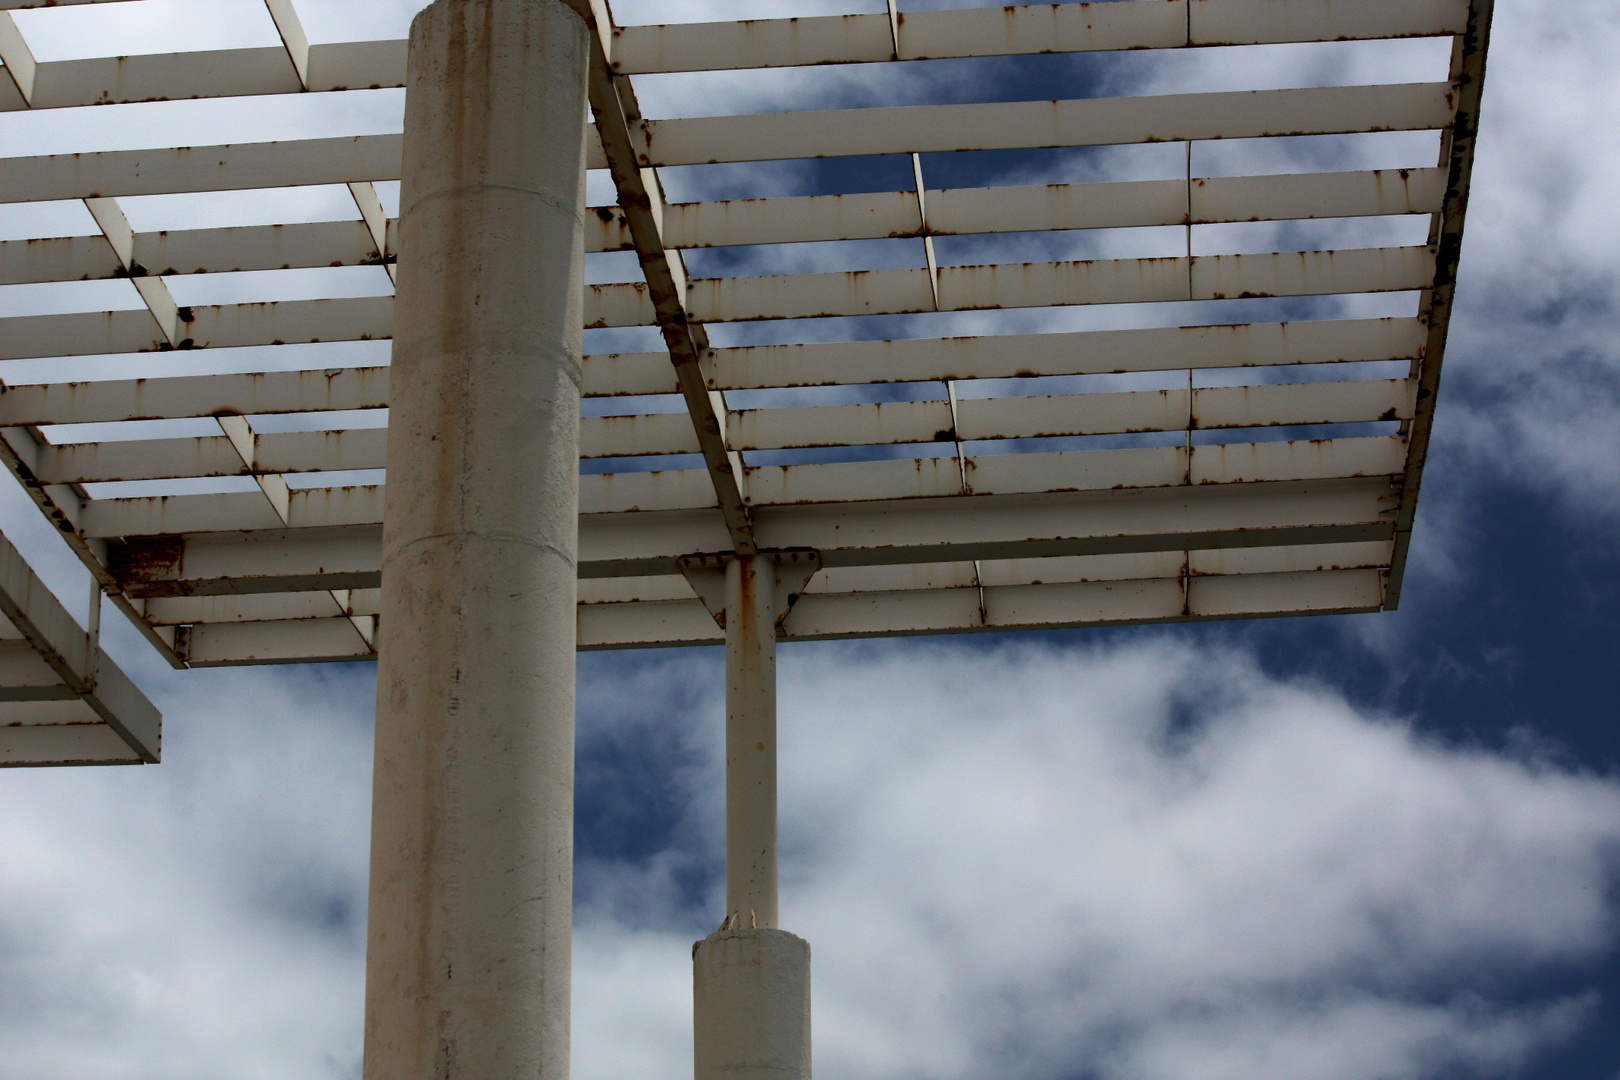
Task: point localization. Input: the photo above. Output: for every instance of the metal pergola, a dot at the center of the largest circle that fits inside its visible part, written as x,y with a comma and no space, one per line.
970,509
1225,421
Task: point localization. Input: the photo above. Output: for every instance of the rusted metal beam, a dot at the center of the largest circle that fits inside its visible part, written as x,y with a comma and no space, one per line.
1468,87
641,197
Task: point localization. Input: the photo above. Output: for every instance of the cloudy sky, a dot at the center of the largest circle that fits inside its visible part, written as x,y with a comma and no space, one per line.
1365,848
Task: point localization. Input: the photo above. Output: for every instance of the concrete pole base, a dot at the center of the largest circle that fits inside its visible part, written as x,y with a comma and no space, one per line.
751,1006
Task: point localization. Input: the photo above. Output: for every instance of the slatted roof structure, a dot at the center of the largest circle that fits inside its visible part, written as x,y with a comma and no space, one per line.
62,701
1231,424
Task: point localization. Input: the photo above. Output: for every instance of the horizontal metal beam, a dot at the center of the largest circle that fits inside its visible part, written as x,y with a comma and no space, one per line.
230,167
1019,125
823,616
300,641
1000,608
942,530
56,676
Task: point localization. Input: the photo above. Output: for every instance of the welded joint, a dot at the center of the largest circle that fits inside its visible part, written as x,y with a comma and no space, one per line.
364,193
922,222
153,291
706,574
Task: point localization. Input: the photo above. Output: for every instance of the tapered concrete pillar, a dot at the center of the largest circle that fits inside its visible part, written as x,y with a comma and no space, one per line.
468,951
751,980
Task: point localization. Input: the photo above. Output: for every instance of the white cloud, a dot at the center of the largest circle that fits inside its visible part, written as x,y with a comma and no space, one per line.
1534,371
1147,862
1033,863
201,918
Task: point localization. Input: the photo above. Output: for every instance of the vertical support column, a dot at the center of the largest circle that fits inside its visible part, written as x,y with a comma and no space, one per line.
751,741
751,980
468,950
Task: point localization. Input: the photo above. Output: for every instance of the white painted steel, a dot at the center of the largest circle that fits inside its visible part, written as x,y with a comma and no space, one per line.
271,558
935,129
965,537
62,701
1000,31
766,43
786,220
468,943
751,894
1087,353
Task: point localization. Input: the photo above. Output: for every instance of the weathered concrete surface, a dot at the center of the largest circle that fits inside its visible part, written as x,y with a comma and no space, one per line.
751,1006
468,953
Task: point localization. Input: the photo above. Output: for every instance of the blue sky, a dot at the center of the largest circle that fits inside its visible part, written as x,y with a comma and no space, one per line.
1363,848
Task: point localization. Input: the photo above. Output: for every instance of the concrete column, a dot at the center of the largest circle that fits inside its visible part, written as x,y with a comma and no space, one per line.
468,950
751,1006
751,741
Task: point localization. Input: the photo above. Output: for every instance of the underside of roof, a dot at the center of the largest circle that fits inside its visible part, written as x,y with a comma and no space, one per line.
996,364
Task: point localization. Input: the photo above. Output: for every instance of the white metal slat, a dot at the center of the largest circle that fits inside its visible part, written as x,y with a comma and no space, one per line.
773,43
1084,353
1234,463
147,459
196,395
293,641
920,360
317,451
1026,285
164,76
256,247
1317,195
1259,22
1302,403
851,534
1011,30
65,258
231,167
840,425
1071,414
1033,124
264,607
797,219
1312,273
787,220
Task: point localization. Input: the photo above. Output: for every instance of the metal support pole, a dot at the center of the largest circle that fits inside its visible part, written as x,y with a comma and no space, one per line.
468,950
751,980
751,741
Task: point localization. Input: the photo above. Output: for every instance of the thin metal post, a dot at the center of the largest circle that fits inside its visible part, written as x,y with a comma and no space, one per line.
750,979
751,741
468,950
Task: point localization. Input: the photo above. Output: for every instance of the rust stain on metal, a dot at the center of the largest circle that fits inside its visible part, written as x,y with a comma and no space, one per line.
146,559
